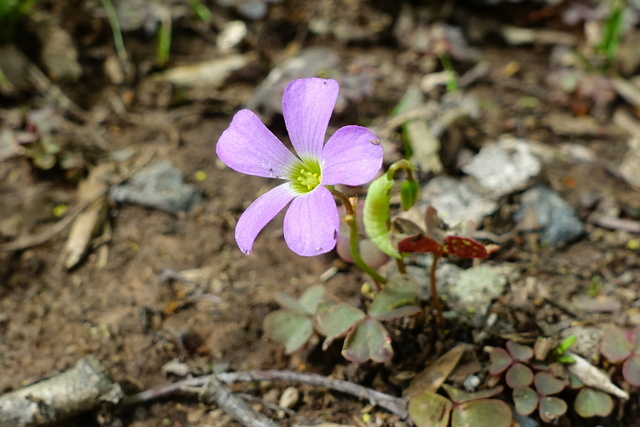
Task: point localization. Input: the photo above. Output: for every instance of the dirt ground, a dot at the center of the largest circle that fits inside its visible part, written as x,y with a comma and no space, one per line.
128,301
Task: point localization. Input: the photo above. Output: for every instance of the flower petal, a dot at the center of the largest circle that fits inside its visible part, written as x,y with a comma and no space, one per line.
311,223
307,105
259,213
352,156
247,146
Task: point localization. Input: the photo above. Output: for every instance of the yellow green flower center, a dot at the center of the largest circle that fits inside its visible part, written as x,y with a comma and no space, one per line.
305,176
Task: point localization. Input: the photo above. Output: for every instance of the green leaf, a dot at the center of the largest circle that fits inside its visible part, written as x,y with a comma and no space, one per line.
376,215
631,370
567,360
311,298
200,11
289,328
551,408
547,384
399,291
482,413
591,402
565,345
575,382
50,146
336,321
525,399
500,360
611,32
409,194
461,396
429,409
518,375
368,340
396,313
289,302
635,339
519,352
615,345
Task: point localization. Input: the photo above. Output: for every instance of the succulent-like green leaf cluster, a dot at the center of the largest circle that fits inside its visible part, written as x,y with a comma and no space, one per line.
590,402
530,391
619,346
535,385
429,409
365,336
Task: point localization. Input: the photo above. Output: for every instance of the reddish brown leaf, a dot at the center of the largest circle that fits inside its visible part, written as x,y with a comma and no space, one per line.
463,247
419,243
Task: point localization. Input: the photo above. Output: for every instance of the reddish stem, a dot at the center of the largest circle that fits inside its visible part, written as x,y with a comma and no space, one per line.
434,291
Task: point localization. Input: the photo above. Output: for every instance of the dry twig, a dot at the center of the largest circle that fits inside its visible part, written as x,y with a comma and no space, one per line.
395,405
213,391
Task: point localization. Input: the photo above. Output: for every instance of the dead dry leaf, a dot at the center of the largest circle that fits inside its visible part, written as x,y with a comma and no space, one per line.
432,377
594,377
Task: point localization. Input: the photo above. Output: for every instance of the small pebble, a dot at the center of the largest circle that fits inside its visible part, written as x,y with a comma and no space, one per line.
289,398
175,367
471,383
271,396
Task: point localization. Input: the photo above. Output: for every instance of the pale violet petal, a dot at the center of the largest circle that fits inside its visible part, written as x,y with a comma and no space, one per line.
247,146
259,213
311,223
307,105
352,156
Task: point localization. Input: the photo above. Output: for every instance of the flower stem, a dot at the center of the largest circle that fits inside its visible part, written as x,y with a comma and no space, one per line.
355,254
345,201
353,238
401,164
434,291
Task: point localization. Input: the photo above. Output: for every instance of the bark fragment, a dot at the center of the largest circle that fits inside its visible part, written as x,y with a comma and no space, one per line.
72,392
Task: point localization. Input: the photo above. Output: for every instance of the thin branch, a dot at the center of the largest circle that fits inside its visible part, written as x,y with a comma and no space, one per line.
274,407
395,405
212,391
392,404
434,291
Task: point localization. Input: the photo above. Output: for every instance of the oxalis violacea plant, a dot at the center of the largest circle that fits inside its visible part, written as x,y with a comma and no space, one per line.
363,233
537,382
311,176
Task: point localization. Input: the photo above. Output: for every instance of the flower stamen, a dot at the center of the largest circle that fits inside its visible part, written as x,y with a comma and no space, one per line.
306,177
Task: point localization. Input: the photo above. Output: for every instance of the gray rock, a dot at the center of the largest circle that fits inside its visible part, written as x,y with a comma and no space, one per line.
474,291
468,293
559,224
504,167
457,201
160,186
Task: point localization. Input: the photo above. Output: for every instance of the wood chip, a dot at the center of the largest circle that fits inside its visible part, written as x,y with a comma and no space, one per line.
90,221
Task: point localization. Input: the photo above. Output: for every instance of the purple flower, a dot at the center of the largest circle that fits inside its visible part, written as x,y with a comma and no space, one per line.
352,156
